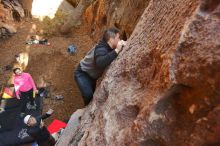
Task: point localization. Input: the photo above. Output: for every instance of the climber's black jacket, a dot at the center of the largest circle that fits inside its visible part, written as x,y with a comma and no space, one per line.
97,59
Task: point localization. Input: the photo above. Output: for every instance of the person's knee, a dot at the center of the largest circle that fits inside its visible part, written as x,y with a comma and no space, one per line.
86,101
87,97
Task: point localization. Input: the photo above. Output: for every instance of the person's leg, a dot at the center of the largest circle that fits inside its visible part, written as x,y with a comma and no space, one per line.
86,85
24,100
49,142
52,141
31,99
30,96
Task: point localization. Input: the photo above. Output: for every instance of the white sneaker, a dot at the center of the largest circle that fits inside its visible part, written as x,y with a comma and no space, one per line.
2,110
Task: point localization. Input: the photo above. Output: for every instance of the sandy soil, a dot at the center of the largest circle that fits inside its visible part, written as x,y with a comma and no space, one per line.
49,66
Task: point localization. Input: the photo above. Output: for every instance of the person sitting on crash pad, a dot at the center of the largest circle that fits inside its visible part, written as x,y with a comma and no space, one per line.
38,131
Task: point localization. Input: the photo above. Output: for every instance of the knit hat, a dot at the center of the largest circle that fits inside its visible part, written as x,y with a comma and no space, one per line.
26,119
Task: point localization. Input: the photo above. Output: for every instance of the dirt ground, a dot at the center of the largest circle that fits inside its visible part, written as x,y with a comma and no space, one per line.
50,66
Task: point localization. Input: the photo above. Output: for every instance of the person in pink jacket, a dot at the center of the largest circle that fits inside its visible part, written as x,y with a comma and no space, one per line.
25,88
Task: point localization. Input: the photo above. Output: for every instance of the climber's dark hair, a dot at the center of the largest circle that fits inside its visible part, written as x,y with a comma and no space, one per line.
14,70
110,33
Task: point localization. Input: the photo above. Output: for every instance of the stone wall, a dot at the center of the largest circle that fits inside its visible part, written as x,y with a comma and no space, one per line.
163,89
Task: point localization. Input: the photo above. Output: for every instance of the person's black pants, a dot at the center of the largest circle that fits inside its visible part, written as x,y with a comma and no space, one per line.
49,142
85,83
25,97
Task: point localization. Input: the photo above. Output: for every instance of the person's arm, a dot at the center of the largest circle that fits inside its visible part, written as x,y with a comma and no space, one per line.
33,131
47,114
17,86
42,117
103,58
32,82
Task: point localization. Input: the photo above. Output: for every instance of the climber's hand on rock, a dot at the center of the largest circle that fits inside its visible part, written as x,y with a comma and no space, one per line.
120,46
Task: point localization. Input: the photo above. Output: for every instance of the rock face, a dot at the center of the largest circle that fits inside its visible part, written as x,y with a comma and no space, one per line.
27,6
122,14
164,87
102,14
10,11
74,18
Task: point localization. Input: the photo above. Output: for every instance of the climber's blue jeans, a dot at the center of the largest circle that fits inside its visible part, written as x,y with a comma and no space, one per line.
85,83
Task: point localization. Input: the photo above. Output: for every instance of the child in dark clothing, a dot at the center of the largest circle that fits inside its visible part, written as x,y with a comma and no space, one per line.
38,131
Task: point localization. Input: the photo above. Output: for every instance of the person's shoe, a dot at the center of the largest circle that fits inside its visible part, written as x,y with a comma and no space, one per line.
31,107
58,97
22,115
2,110
60,131
34,144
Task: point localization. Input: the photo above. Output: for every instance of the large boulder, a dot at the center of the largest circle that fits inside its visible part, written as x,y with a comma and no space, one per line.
163,89
27,6
74,18
16,9
10,28
101,14
74,3
10,11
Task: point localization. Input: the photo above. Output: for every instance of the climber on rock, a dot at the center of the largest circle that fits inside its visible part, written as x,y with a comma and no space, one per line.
96,61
